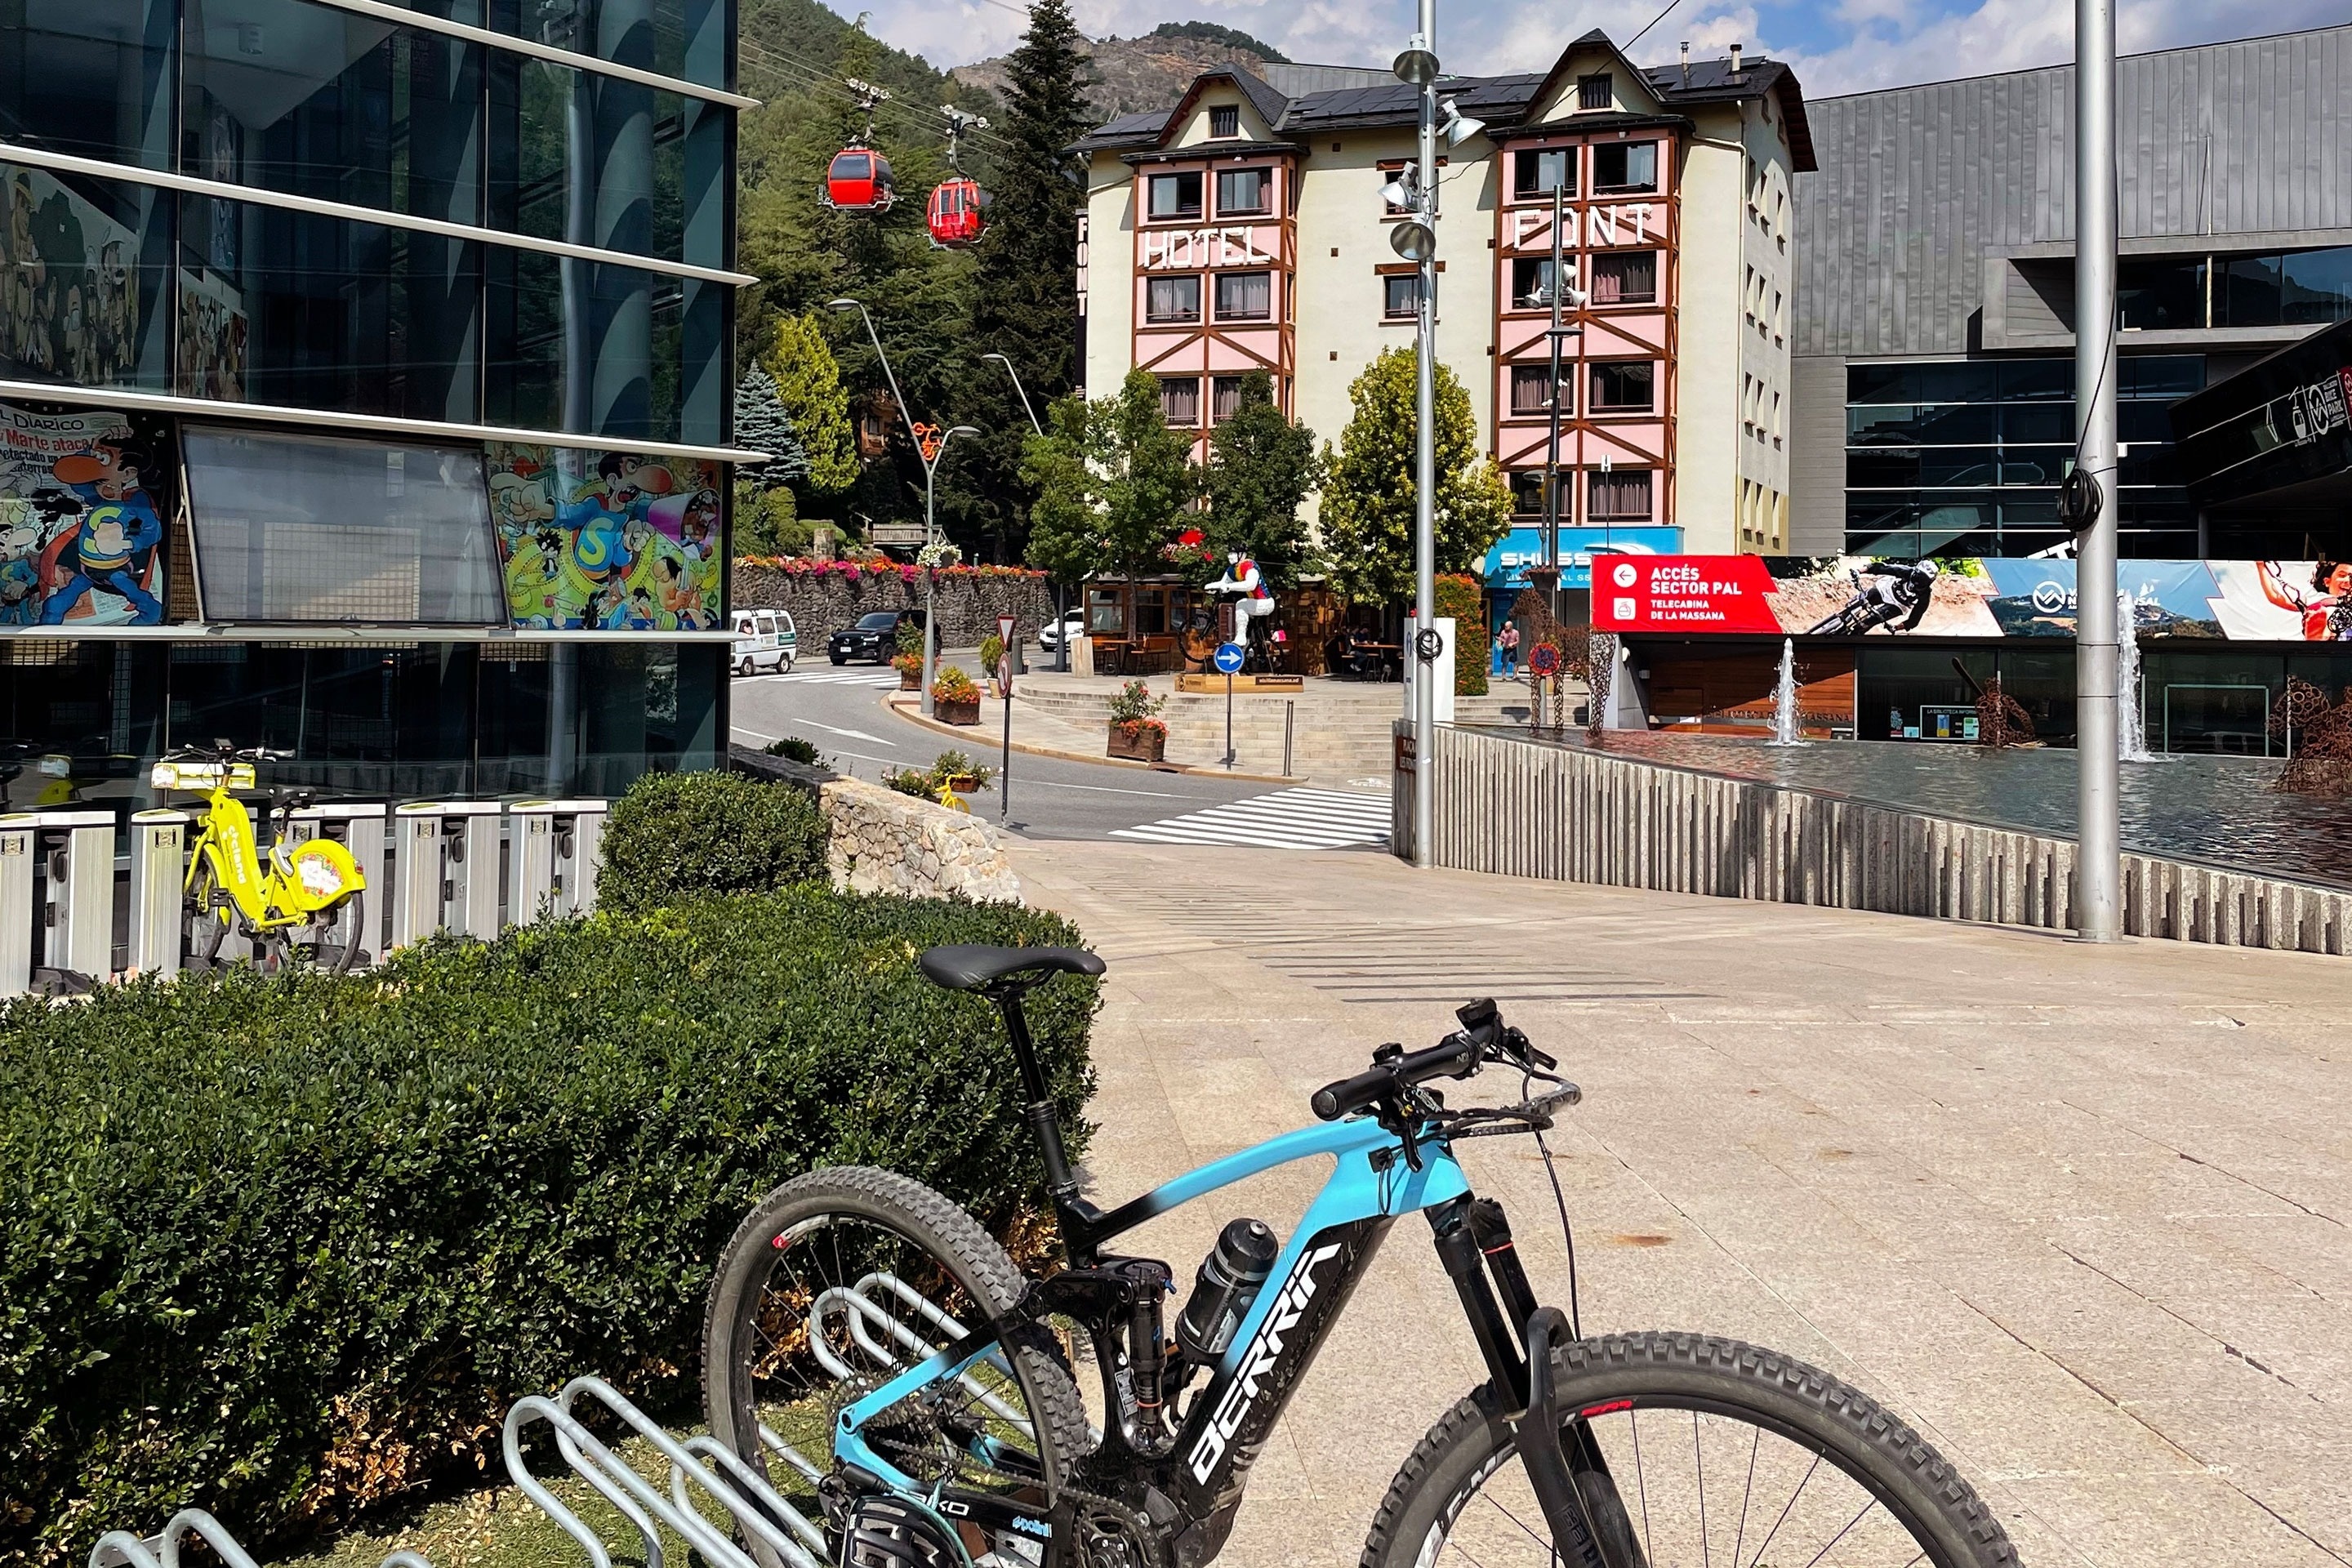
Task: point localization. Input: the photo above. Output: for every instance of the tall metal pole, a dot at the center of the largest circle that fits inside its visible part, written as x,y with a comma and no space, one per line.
1061,632
931,577
1425,471
2098,866
1551,464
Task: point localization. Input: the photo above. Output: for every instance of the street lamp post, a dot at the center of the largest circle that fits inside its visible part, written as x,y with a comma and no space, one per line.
929,452
1562,297
2098,860
1416,240
1061,632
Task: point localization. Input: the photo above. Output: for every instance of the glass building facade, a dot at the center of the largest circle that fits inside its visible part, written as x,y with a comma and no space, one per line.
500,237
1965,456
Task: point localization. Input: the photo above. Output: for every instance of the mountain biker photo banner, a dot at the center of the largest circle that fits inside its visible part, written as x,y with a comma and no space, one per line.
2235,601
611,541
80,524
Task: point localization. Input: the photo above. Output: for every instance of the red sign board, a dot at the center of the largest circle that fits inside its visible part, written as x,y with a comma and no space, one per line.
1681,593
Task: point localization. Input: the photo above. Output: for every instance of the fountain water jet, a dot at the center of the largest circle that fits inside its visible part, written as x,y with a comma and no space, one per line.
1784,699
2131,715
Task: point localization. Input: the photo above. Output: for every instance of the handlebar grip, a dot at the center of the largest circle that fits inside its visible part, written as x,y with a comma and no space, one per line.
1334,1101
1458,1056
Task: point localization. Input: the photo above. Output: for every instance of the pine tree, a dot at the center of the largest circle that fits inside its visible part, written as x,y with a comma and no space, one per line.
1369,491
1260,469
762,424
810,397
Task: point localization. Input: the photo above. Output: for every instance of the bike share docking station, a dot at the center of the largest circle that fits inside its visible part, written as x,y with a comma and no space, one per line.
78,908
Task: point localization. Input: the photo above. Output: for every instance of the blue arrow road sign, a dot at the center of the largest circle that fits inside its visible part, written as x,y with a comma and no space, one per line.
1229,656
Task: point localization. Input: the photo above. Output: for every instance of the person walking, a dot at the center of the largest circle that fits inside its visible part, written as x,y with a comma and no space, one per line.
1510,642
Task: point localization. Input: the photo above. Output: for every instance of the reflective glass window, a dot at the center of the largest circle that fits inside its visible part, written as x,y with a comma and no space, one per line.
2161,293
596,161
642,361
1539,170
2035,465
1245,296
684,38
1621,383
314,312
2246,291
84,272
1175,195
1243,192
1625,167
2316,285
316,528
316,101
1531,389
1401,295
1172,299
1625,278
1531,282
93,78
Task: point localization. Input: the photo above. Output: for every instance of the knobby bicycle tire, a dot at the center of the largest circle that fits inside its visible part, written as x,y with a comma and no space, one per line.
921,1216
207,926
1472,1444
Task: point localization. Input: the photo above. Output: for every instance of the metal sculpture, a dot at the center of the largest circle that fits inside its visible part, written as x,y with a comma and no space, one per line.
2318,735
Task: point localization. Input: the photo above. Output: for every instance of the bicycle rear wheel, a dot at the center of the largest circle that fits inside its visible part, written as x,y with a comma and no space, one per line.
209,913
1686,1447
838,1281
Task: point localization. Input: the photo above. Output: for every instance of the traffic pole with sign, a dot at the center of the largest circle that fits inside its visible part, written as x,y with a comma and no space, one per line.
1229,659
1006,626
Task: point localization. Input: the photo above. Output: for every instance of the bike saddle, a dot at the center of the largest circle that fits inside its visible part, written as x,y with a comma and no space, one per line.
974,966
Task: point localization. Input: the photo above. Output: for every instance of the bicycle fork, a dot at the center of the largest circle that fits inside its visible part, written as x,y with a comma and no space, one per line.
1565,1469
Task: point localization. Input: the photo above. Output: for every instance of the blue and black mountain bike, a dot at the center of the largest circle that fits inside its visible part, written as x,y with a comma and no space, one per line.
915,1402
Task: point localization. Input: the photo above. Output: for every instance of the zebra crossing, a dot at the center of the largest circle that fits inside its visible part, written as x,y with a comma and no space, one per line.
826,674
1285,819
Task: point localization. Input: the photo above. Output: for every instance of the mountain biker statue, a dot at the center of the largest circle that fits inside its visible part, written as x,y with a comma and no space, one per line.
1245,586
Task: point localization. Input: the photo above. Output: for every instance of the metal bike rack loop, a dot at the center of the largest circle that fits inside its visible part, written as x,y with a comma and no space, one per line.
756,1509
159,869
555,846
120,1549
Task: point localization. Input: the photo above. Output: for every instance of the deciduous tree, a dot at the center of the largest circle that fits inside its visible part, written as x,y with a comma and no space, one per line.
1369,491
1262,467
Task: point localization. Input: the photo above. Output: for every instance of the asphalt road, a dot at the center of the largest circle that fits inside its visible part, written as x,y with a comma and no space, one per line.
843,712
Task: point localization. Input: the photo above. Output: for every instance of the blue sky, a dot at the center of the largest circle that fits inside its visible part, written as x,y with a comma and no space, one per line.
1837,45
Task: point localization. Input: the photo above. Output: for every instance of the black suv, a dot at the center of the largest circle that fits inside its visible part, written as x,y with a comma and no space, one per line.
875,636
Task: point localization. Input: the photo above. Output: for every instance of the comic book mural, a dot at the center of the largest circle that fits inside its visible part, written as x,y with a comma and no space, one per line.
80,526
68,288
607,539
1854,596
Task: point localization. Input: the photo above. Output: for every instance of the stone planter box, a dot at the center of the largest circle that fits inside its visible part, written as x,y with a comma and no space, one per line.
964,712
964,784
911,679
1143,744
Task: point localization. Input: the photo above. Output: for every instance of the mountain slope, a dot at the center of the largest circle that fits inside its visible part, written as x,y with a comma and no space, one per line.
1148,72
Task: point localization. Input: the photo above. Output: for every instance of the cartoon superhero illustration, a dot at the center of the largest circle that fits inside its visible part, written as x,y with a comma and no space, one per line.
117,538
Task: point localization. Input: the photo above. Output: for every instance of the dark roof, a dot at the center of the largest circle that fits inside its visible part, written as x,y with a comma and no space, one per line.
1501,100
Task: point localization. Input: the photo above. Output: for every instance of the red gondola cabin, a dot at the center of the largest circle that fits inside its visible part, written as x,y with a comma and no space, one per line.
858,181
954,215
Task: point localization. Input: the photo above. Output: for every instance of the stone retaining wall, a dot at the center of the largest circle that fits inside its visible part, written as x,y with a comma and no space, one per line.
822,604
885,842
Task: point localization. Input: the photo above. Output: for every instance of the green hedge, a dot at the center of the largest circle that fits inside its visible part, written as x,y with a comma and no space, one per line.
679,834
1462,598
282,1247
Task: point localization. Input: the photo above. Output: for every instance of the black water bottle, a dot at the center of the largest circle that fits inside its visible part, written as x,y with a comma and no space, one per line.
1229,1280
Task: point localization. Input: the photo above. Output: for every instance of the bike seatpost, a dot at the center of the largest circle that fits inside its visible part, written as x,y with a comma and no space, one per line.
1039,1116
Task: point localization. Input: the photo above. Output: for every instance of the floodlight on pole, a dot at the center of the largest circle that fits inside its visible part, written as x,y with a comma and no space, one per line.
1414,239
1459,127
1417,66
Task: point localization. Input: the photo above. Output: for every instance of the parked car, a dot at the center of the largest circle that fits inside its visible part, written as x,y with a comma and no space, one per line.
875,636
1050,635
764,637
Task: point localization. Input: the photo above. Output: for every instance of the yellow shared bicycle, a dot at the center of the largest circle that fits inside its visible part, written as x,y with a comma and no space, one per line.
315,884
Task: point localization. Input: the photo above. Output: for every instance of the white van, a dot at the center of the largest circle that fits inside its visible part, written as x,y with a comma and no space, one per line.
764,637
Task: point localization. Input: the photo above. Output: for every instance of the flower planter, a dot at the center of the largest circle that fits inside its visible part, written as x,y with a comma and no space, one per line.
1140,743
952,713
964,784
911,679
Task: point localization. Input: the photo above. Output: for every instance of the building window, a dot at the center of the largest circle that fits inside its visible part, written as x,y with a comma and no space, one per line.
1625,167
1620,495
1225,120
1538,171
1173,301
2160,293
1531,282
1628,278
1393,169
1400,296
1245,296
1243,193
1225,398
1175,196
1179,399
1531,389
1595,91
1622,385
1528,492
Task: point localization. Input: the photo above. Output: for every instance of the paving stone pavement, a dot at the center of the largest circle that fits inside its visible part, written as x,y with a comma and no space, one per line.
2079,1214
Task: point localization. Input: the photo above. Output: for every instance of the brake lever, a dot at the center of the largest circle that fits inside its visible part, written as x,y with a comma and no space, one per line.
1523,1051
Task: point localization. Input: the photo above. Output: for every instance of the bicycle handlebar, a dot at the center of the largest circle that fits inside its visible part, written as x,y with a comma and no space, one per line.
1458,1056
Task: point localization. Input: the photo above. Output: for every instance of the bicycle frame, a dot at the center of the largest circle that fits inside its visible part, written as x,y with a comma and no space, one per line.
270,896
1374,1183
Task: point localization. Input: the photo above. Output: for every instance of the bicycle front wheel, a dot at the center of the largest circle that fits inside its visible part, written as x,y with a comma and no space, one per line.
1685,1448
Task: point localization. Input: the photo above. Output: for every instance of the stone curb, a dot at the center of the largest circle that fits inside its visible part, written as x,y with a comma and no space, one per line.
906,705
